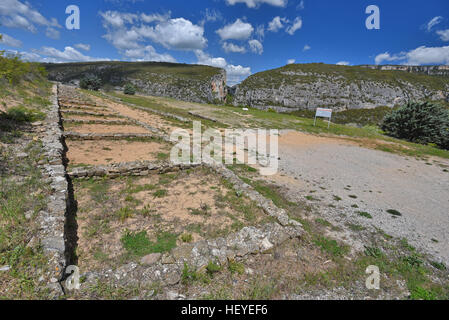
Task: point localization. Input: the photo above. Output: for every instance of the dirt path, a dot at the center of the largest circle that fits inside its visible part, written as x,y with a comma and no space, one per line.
151,119
335,172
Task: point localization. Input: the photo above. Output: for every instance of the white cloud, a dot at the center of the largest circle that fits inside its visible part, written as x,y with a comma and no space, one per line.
297,24
444,34
279,23
276,24
10,41
26,56
115,19
300,6
148,54
419,56
179,33
343,63
256,3
256,46
235,74
431,55
238,30
69,54
230,47
306,48
52,33
433,22
386,56
155,17
291,61
82,46
15,14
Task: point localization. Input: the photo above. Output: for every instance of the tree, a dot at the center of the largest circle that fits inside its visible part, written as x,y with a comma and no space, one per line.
129,89
419,122
90,82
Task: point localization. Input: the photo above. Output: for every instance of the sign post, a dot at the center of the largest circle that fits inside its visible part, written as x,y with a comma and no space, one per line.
323,113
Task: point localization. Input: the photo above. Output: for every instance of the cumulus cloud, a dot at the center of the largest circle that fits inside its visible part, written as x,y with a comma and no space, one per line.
306,48
386,56
235,74
256,46
419,56
231,47
148,53
291,61
257,3
69,54
343,63
297,24
130,34
277,24
10,41
433,22
300,5
82,46
179,33
15,14
238,30
444,34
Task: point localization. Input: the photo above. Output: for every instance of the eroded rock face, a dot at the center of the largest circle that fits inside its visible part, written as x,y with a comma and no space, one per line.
194,83
338,87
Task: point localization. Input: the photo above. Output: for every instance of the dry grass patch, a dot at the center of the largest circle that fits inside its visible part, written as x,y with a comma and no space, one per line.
105,152
149,212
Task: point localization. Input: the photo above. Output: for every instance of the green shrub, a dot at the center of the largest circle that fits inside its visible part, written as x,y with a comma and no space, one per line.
129,89
419,122
90,82
14,70
22,114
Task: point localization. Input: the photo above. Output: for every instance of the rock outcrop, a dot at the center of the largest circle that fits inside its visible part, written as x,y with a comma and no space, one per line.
429,70
308,86
194,83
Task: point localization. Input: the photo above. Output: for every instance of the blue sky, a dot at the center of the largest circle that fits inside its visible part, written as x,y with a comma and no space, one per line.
242,36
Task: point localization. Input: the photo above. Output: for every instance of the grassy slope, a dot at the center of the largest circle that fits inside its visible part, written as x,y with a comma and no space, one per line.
21,187
139,70
349,74
368,136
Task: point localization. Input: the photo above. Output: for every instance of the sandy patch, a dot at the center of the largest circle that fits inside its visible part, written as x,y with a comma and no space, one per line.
299,139
104,128
105,152
149,118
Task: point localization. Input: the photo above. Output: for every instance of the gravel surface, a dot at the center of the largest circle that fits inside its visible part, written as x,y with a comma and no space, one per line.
327,169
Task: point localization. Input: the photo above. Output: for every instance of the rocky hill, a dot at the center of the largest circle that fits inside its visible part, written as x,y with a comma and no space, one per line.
195,83
429,70
308,86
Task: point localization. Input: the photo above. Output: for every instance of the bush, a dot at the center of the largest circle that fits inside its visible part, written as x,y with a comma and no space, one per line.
22,114
15,70
90,83
129,89
419,122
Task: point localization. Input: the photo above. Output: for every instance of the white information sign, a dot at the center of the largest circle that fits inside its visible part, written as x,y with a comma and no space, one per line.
323,113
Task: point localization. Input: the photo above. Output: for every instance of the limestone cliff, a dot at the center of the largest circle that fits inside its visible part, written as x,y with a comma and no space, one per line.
195,83
308,86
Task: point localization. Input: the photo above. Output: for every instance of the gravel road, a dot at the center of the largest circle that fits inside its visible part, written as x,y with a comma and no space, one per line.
328,169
